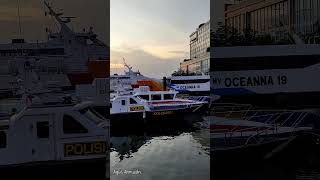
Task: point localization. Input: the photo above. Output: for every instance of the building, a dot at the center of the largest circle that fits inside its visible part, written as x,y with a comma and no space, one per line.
218,8
277,18
199,51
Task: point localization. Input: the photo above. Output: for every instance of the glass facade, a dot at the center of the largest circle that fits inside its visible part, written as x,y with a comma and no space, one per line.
196,67
306,16
277,18
200,41
199,55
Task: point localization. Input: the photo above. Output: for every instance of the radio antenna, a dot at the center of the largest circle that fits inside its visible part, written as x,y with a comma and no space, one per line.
19,19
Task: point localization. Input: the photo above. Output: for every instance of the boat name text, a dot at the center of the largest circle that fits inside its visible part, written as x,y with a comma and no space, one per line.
244,81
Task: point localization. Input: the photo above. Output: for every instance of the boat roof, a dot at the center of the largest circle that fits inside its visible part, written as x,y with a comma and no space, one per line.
189,77
156,92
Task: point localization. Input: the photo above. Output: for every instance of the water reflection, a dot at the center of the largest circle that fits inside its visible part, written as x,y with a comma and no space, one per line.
162,151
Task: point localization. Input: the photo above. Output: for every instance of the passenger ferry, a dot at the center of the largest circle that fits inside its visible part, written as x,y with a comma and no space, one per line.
124,82
145,104
270,75
67,59
192,84
44,133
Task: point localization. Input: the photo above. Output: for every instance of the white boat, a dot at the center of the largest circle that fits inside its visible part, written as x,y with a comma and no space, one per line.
67,59
145,104
242,125
191,84
267,75
52,133
124,82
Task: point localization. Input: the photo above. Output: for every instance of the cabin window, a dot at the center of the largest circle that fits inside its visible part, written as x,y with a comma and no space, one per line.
132,101
123,102
43,130
145,97
71,126
3,139
168,96
156,97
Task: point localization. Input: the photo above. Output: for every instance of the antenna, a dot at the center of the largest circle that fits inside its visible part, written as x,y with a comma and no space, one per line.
19,19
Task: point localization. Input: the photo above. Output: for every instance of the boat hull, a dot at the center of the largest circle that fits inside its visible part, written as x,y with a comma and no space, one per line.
93,168
137,118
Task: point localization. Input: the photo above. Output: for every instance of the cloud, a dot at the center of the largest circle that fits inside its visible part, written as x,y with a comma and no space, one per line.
178,52
148,64
116,65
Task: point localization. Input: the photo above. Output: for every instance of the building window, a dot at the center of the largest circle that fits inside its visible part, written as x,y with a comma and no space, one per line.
123,102
43,130
71,126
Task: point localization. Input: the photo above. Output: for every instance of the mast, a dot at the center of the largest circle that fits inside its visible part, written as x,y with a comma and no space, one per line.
58,18
19,20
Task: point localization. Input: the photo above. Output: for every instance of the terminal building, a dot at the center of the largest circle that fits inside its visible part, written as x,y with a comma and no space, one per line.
199,61
277,18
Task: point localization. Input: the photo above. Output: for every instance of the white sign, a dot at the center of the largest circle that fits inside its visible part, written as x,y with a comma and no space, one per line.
267,81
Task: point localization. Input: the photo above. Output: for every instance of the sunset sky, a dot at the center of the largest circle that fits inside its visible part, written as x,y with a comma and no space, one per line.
153,35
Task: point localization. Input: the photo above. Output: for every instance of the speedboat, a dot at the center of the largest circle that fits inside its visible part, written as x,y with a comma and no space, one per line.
52,134
145,104
258,135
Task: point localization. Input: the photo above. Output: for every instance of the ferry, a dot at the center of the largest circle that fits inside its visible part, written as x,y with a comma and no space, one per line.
50,134
145,104
192,84
124,82
67,59
270,75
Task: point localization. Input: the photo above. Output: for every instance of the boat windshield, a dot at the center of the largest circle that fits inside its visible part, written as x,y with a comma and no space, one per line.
144,97
93,115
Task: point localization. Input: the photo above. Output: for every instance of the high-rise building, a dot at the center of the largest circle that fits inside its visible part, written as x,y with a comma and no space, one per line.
199,51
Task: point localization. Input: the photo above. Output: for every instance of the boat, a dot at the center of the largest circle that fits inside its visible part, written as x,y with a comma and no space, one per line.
124,82
239,132
66,60
280,76
52,132
145,104
190,84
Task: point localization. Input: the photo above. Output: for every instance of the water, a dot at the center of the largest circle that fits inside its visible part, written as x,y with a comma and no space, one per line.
168,151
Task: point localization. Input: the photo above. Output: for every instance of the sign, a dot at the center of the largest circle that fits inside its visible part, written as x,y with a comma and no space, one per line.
193,87
266,81
85,149
137,108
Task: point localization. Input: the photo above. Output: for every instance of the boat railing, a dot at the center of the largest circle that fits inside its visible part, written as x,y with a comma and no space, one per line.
230,109
273,123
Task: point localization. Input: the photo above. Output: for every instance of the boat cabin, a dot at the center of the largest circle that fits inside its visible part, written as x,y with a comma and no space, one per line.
53,134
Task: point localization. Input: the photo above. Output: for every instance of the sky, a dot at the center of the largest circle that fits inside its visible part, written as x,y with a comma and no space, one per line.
34,21
153,35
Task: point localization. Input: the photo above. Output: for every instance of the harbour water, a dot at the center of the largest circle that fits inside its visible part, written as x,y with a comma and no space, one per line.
162,151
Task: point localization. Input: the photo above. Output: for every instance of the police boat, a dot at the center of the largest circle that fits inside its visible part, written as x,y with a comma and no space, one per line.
52,134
